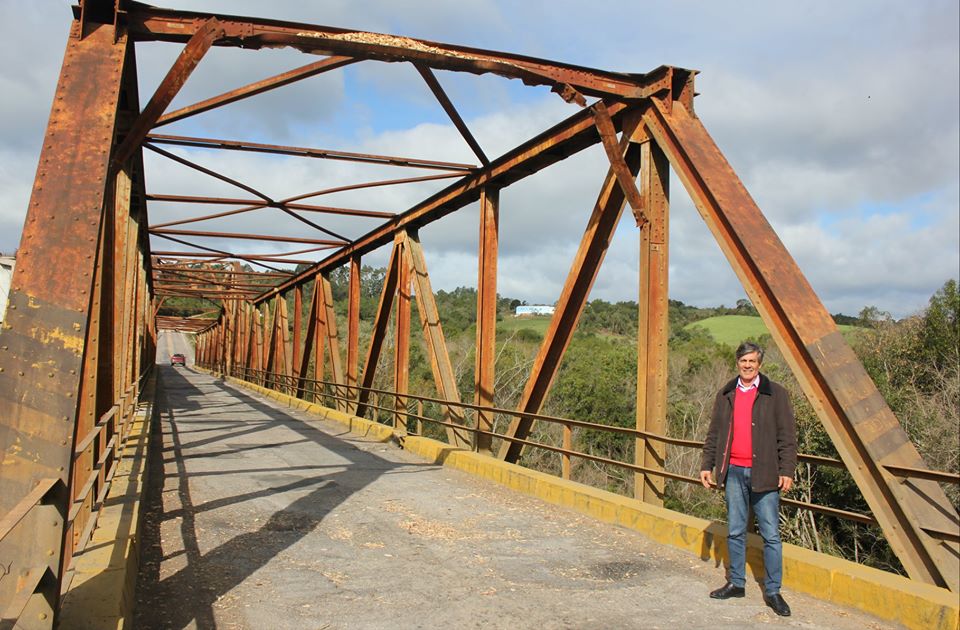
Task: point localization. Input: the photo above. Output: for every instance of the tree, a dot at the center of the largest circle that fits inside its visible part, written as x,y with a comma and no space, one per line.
940,331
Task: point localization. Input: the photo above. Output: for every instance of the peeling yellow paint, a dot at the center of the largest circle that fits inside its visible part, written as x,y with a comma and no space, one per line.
65,339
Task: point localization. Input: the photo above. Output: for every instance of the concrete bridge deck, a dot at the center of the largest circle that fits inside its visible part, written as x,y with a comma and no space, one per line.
259,516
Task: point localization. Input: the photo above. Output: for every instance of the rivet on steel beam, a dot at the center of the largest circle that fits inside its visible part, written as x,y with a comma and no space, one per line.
50,374
43,616
20,373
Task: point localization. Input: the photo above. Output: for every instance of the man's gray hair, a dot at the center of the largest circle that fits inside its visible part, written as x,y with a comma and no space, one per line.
747,347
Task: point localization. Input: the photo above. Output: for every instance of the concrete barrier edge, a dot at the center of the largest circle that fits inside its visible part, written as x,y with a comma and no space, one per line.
885,595
101,594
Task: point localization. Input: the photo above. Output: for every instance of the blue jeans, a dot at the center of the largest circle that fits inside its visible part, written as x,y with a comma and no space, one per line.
766,511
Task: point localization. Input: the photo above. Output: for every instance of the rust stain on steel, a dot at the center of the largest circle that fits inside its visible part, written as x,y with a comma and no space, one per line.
150,23
47,304
485,363
627,179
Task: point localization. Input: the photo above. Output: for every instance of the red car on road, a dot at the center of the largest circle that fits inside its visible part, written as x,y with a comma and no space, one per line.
178,359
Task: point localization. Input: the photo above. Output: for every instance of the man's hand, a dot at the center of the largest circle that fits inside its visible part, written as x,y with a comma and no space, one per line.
785,483
706,478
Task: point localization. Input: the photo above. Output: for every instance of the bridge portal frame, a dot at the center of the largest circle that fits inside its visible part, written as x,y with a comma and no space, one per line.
80,334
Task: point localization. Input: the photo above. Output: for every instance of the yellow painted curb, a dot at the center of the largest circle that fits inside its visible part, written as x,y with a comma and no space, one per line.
101,593
888,596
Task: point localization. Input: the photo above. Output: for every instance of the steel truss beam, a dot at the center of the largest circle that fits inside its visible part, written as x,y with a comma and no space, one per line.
864,430
76,347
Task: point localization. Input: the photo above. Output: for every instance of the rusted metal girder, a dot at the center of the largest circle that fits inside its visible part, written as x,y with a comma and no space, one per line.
443,374
652,321
197,46
484,366
864,430
328,325
560,141
48,321
353,322
452,112
248,237
314,337
380,323
573,297
259,87
154,24
325,154
401,336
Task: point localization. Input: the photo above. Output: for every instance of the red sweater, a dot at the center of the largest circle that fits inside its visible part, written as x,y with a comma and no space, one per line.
741,451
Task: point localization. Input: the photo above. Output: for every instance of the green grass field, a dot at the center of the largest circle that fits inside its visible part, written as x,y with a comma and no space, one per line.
536,323
732,329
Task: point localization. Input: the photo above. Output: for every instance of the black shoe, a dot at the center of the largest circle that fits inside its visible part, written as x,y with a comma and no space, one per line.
727,591
777,604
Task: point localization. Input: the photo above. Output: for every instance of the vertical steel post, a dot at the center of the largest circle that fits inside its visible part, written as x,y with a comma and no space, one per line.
50,326
401,345
353,327
332,338
653,326
297,324
486,353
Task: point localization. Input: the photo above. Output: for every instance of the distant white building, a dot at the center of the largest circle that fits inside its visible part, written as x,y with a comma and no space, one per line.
534,309
6,277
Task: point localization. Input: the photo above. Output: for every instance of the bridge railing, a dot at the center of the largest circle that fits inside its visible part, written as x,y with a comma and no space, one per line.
30,587
27,585
409,412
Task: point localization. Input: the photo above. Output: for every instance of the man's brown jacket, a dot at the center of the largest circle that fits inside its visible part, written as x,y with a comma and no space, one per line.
774,436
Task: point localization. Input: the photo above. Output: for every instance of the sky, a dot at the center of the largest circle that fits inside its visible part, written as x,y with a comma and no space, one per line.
841,119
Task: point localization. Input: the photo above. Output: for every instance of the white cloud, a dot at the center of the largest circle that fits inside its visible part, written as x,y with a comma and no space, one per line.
841,121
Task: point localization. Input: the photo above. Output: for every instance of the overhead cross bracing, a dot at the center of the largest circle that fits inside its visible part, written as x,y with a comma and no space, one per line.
141,215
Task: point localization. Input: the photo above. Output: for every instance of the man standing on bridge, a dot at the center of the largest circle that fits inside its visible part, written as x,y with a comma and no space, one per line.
751,451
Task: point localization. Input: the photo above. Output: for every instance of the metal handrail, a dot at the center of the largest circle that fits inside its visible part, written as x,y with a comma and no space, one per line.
815,460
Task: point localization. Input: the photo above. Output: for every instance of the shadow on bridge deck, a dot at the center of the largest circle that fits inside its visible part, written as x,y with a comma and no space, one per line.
262,517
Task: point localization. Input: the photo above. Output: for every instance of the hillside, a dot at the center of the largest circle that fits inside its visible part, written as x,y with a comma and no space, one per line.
732,329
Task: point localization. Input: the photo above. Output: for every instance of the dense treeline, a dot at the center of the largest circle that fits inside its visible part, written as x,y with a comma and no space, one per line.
915,363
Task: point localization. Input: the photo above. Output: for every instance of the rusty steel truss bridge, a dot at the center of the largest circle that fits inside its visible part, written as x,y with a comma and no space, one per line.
79,339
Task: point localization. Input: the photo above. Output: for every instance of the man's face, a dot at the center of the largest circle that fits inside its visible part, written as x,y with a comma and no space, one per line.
749,366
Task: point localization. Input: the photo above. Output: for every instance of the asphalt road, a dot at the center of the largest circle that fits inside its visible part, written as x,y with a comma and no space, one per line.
171,342
266,518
